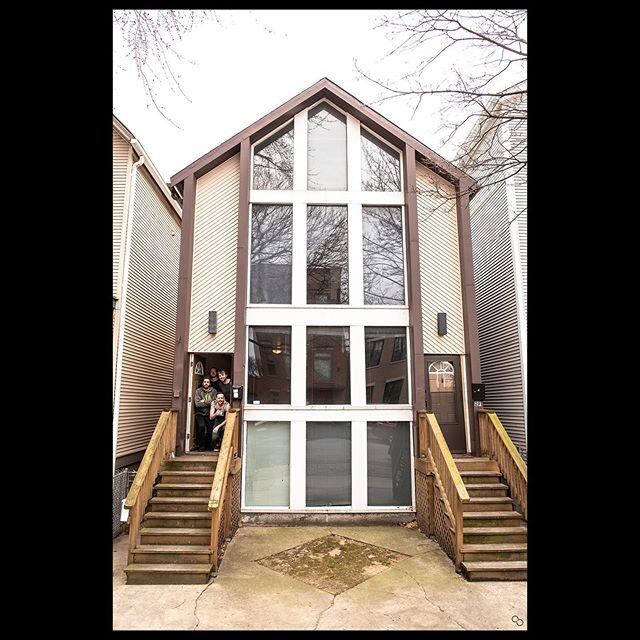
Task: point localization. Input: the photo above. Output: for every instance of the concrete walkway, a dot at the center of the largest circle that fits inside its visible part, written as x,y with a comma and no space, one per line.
420,591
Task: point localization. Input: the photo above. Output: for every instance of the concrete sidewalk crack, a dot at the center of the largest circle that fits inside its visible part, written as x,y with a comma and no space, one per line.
431,602
333,600
195,604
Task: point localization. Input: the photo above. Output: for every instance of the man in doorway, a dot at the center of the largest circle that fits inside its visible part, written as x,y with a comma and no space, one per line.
224,384
203,399
218,416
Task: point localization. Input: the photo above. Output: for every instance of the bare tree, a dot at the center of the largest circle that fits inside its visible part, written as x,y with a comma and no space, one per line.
150,41
483,86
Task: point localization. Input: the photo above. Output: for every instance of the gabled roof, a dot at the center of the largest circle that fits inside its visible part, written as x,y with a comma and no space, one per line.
324,89
155,174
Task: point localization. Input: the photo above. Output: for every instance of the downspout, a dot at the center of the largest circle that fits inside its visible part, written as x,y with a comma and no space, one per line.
125,286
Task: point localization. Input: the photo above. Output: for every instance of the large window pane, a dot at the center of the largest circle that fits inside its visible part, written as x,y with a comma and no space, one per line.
388,464
273,161
328,464
269,365
328,365
271,240
383,255
386,365
267,461
327,255
327,153
380,165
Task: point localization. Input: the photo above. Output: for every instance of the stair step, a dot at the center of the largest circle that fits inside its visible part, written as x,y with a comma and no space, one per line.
496,551
175,535
170,489
179,503
476,464
186,477
177,519
496,570
486,477
168,573
476,490
172,554
492,518
490,503
481,535
191,463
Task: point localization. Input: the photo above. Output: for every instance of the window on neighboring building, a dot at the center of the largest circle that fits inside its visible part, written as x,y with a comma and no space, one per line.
399,349
388,464
327,149
328,464
327,255
383,255
380,164
273,161
328,373
388,379
271,251
267,464
269,350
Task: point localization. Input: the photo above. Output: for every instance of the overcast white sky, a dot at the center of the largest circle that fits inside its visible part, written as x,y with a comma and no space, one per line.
249,66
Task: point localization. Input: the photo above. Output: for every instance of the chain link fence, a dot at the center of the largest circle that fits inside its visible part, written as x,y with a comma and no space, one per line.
121,484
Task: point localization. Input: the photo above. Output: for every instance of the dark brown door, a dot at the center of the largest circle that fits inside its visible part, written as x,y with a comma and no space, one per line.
444,398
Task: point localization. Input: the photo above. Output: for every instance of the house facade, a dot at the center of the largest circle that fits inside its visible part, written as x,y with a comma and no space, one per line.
146,249
326,263
499,233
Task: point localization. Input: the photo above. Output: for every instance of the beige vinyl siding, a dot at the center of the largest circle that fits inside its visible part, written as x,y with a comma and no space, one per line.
439,263
150,318
495,287
213,284
121,170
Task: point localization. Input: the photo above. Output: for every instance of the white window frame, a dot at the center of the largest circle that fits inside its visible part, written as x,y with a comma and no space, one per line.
356,315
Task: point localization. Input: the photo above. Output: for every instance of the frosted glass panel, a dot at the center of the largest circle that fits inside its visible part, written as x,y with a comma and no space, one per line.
327,152
388,464
267,460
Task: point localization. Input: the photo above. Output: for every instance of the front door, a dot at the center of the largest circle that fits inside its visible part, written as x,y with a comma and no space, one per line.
444,398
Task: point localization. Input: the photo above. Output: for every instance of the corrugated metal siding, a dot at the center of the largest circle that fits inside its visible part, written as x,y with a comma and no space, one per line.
439,264
497,310
214,246
519,138
150,319
121,155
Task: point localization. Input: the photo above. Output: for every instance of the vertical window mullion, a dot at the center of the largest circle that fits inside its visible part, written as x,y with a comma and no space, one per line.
357,352
300,152
358,464
298,464
356,283
298,365
299,256
353,154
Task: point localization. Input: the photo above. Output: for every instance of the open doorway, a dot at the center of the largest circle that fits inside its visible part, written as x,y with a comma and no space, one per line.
200,366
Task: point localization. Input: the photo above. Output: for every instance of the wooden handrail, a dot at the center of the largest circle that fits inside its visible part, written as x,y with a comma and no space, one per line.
433,445
495,441
219,486
161,446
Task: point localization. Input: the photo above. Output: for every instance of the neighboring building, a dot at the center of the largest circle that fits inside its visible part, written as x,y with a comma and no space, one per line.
146,248
499,231
320,247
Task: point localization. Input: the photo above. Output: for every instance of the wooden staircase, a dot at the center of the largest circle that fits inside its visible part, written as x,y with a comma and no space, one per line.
175,536
494,533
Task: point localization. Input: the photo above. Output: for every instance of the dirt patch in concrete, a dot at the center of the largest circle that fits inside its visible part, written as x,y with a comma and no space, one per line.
332,563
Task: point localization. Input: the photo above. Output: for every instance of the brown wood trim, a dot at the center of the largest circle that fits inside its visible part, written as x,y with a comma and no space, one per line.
413,276
422,465
181,361
242,265
322,89
472,345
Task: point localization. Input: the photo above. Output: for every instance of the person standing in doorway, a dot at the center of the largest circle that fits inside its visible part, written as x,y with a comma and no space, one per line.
203,400
213,378
218,416
224,384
